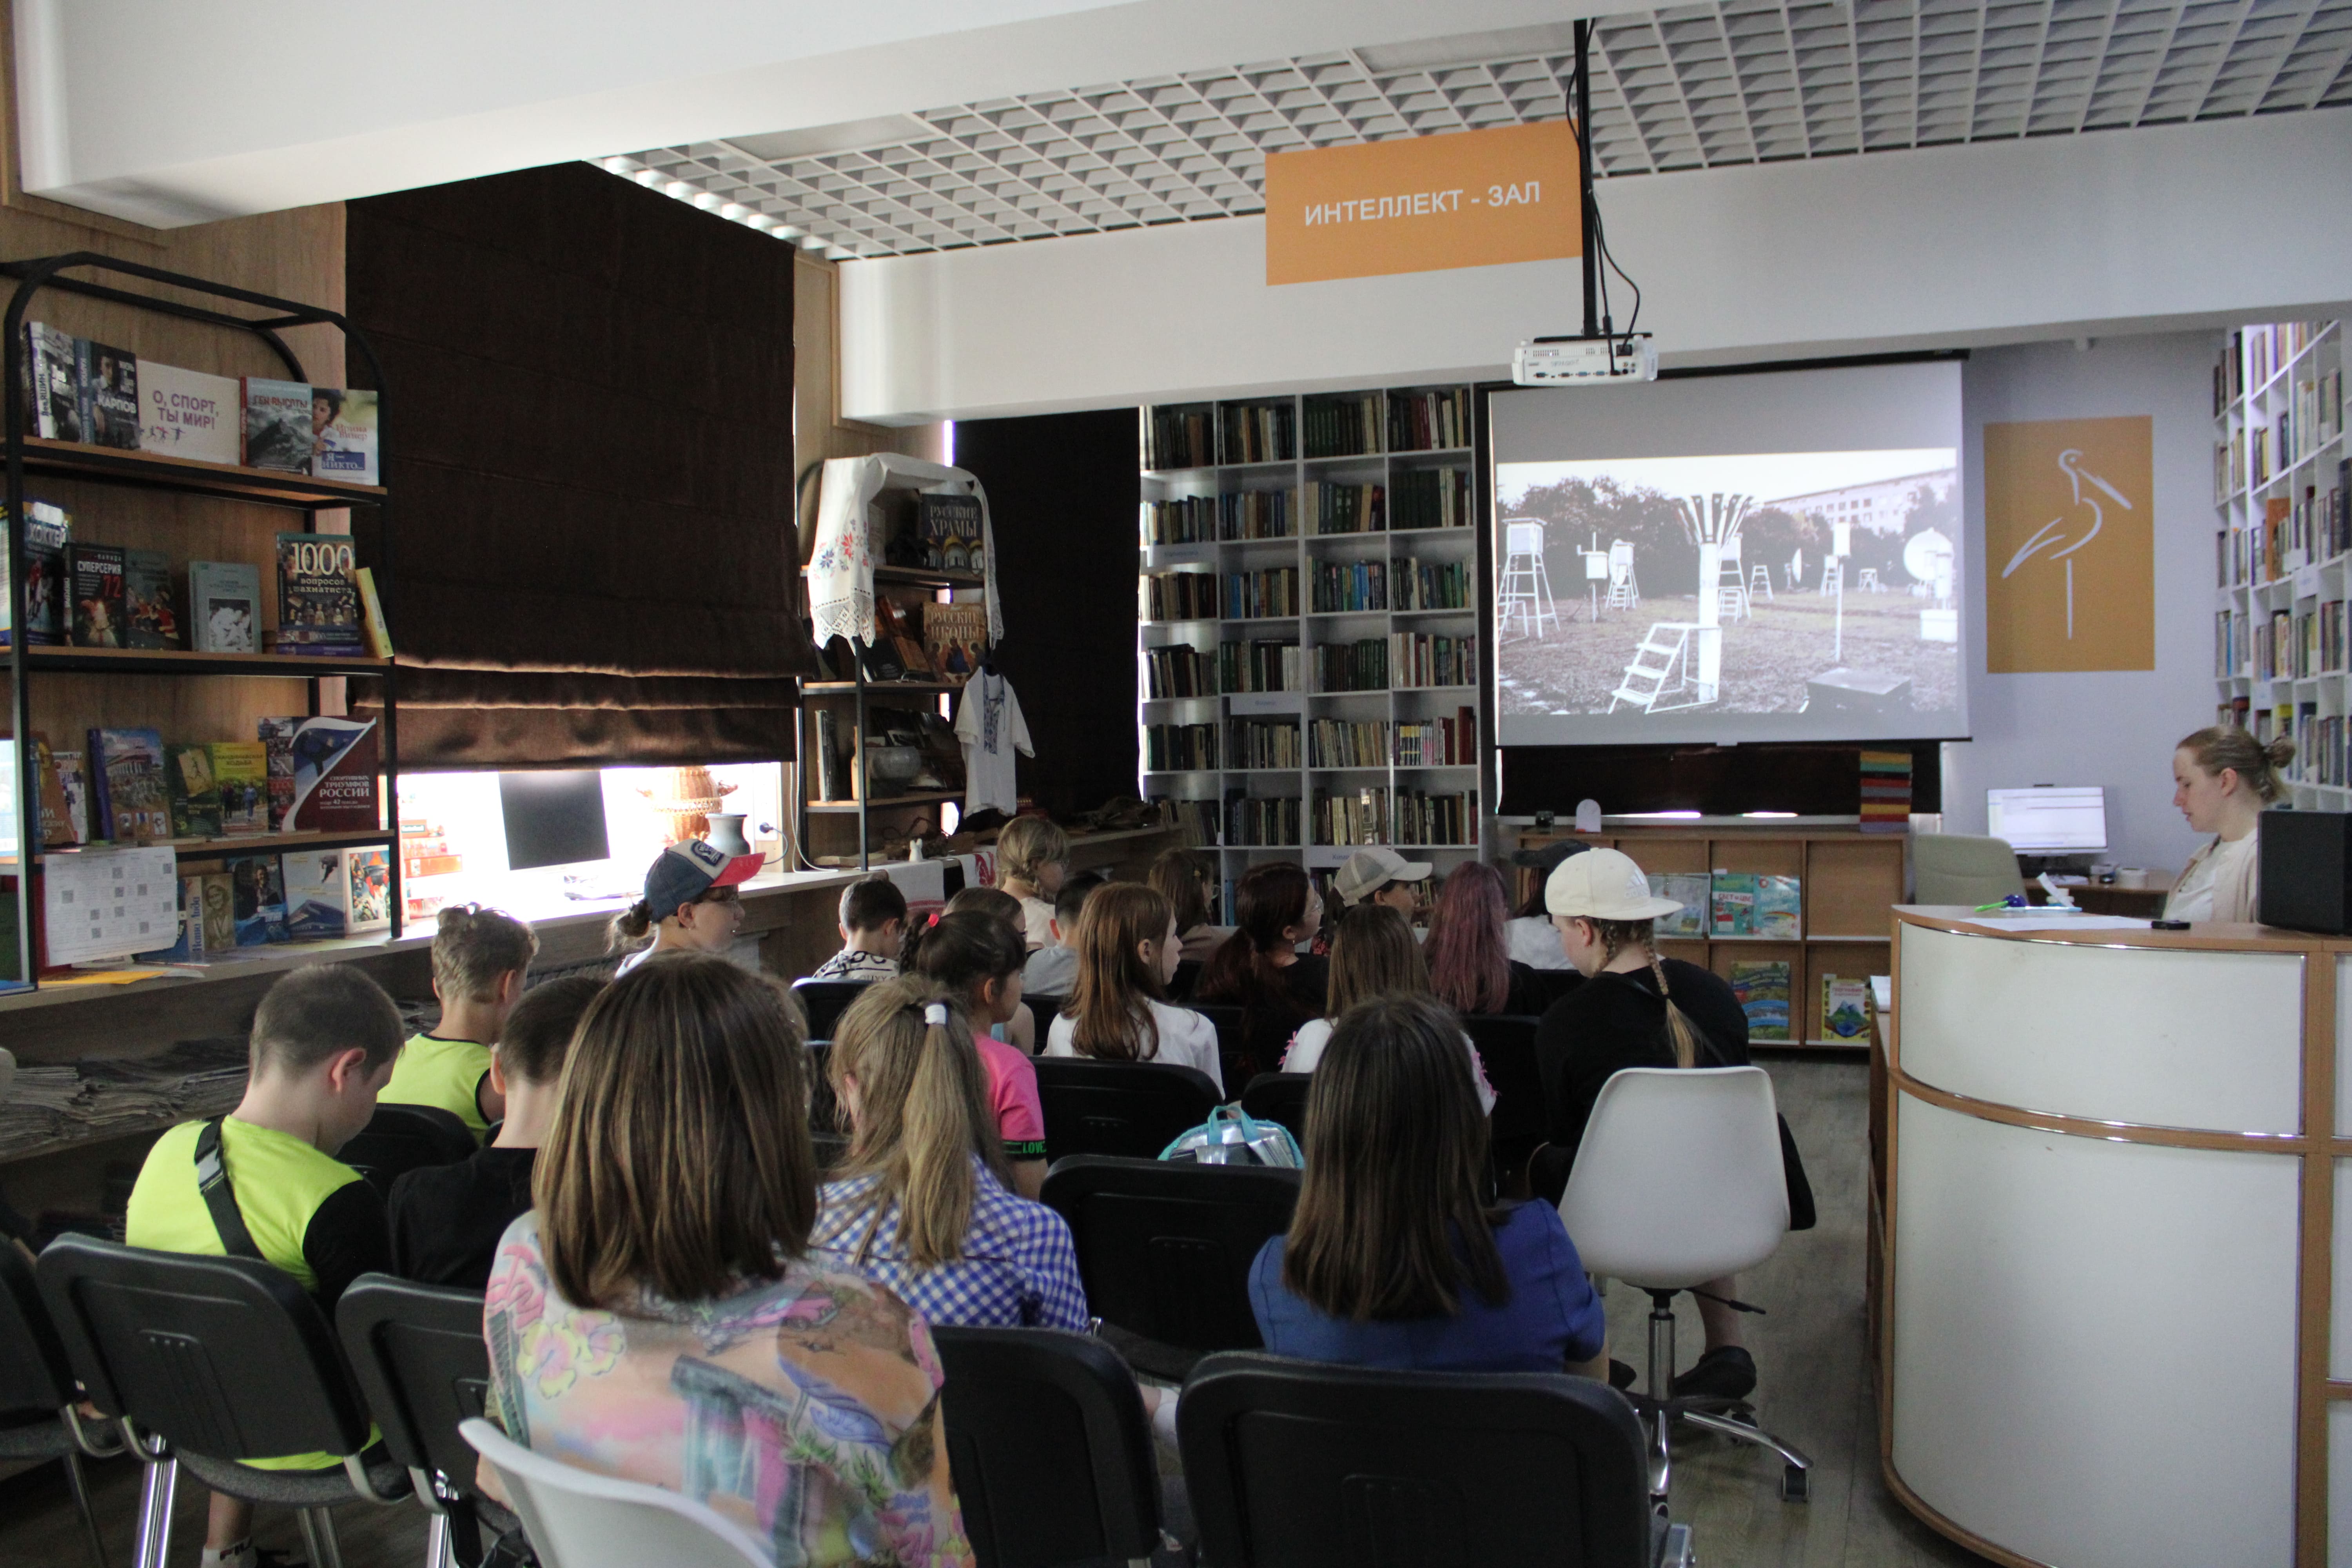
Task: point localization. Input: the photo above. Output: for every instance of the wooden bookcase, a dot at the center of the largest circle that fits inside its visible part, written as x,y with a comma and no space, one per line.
2280,565
1851,881
1263,451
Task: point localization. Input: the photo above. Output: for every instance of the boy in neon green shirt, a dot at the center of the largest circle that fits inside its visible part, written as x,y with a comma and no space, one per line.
324,1045
480,960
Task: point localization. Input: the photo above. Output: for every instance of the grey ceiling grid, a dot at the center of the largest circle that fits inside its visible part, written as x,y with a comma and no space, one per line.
1686,86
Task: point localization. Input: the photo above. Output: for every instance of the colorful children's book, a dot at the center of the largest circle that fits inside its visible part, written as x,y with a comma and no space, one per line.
126,771
1778,903
367,884
101,611
258,888
344,446
314,894
224,606
187,414
1845,1009
195,796
333,763
240,775
1693,890
278,432
149,602
107,382
1762,988
319,596
1733,902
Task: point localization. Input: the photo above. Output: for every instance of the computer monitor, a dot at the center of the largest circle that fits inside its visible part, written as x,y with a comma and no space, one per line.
554,818
2049,820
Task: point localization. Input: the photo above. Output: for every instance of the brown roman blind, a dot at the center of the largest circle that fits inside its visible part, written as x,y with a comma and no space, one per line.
589,444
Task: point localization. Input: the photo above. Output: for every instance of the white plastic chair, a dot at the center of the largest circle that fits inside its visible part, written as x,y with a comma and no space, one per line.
1679,1181
578,1518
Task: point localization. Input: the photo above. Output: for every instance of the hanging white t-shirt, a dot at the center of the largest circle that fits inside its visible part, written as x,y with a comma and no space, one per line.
990,724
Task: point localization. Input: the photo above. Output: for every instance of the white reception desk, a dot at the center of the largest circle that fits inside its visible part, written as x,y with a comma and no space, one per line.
2113,1218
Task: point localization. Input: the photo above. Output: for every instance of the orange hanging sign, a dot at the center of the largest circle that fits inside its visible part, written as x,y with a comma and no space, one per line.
1473,198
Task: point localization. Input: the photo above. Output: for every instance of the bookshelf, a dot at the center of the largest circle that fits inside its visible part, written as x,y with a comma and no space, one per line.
2283,548
1307,617
185,508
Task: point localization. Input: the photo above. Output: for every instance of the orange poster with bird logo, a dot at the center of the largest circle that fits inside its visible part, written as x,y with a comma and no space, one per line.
2070,545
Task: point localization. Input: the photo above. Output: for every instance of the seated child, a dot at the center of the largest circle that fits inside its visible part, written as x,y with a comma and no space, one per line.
446,1220
479,959
1053,969
1118,1011
978,958
873,928
1021,1031
323,1043
1033,856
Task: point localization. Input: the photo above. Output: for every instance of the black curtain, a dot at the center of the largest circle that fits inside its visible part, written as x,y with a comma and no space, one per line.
1062,492
588,439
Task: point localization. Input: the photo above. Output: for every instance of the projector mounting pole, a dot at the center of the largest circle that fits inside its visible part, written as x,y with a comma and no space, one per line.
1584,182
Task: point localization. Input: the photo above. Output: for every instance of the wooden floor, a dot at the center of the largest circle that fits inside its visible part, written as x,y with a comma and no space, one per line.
1809,1353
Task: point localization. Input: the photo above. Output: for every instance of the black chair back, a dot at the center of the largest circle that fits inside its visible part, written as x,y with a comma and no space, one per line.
1188,975
1133,1108
1507,1044
1165,1250
1051,1452
827,1001
1232,1048
1279,1097
34,1375
225,1357
1310,1466
399,1139
417,1353
1044,1008
825,1111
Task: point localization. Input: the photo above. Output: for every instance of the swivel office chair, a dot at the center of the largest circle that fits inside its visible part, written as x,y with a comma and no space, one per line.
1678,1180
1963,868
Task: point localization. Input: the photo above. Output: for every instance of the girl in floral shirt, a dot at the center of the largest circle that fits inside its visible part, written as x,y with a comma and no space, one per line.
654,1318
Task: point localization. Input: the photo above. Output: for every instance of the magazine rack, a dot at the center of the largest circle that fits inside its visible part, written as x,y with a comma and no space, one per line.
135,470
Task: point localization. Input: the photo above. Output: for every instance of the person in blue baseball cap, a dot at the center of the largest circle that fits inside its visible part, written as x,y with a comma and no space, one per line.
690,903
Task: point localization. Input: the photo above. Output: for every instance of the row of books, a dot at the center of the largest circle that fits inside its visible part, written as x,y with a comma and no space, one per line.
1423,659
1343,585
298,774
1438,743
320,894
103,595
1200,821
1432,498
1730,903
1202,520
1343,426
1267,595
1177,748
1342,744
97,396
1265,666
1425,421
1265,743
1346,509
2294,646
1377,814
1180,671
2293,532
1270,820
1258,432
1352,667
2255,354
1180,438
2250,456
2318,748
1432,585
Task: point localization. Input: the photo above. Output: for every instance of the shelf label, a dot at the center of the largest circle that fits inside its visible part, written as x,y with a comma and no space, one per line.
2306,581
1264,701
1472,198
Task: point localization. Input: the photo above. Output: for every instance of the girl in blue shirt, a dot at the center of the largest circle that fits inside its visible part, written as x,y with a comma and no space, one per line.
1391,1261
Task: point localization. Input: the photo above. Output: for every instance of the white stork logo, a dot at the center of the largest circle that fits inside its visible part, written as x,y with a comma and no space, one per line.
2048,535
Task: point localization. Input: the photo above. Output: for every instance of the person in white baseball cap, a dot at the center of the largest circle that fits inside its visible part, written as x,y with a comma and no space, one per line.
1381,875
1634,1010
690,903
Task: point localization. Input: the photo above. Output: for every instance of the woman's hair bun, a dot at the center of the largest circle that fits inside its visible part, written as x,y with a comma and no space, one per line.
2280,751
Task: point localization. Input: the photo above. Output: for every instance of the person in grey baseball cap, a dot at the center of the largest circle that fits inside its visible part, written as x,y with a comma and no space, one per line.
1635,1009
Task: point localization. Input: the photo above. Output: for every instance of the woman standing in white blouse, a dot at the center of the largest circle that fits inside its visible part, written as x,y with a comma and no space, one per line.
2224,778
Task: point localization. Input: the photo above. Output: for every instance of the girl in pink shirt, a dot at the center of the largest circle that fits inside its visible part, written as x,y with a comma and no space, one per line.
979,958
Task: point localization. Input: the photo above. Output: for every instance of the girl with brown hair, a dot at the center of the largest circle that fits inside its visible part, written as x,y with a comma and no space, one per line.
1469,951
2223,778
1259,967
657,1317
1119,1010
1373,956
925,1204
978,958
1392,1260
1182,878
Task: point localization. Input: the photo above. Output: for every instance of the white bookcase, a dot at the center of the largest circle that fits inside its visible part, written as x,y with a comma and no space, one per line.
2283,548
1228,470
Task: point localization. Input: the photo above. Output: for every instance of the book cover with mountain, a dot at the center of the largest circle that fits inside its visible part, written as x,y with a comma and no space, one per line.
54,383
224,606
319,596
133,802
187,414
107,380
100,613
1845,1009
277,431
344,441
257,889
151,606
241,777
195,796
334,770
1693,890
313,882
1762,987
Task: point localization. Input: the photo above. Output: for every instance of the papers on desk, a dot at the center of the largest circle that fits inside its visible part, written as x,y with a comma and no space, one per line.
2043,920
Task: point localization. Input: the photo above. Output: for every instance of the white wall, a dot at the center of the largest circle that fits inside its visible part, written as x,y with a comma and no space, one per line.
1947,247
2113,728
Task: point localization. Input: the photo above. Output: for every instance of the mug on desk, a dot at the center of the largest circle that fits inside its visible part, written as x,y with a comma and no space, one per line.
2131,877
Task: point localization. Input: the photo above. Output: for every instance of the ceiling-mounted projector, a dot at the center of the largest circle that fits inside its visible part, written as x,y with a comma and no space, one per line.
1626,360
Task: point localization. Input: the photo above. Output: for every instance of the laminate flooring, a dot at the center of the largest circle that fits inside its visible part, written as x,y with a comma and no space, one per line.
1810,1351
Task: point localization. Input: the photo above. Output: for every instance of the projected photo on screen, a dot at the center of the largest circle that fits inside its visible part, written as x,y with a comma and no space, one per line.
1763,592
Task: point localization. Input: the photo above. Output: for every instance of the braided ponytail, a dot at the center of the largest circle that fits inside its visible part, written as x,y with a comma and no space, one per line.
1615,937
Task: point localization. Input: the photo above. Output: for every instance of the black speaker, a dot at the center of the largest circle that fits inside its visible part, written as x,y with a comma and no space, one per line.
2306,871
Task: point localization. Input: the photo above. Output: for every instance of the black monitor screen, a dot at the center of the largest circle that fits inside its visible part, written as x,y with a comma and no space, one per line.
554,818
